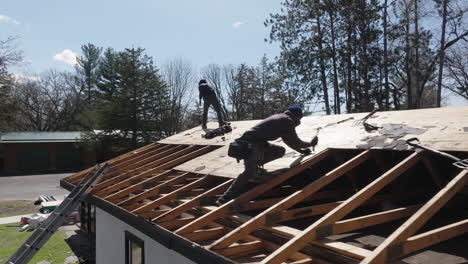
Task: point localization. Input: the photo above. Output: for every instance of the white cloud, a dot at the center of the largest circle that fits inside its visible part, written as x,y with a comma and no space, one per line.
237,24
7,19
67,56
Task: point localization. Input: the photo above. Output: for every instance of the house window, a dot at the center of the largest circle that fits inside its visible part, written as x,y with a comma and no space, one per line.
134,249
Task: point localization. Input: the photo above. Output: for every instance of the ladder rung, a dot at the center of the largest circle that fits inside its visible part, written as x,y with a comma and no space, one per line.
52,223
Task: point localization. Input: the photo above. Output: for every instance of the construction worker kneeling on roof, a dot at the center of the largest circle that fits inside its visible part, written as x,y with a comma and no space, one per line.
209,98
254,149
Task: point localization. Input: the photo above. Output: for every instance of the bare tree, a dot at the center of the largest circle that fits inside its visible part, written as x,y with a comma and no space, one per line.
9,55
179,76
48,104
453,25
457,72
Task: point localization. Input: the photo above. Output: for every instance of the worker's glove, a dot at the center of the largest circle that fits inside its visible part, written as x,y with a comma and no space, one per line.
305,151
314,141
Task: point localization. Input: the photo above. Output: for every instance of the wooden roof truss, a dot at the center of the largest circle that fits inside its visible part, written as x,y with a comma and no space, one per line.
256,226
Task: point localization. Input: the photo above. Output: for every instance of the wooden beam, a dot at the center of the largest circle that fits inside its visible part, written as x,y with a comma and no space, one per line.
76,177
298,213
384,252
178,193
152,214
305,261
154,160
140,186
176,223
135,155
349,225
154,191
323,227
240,250
298,196
264,203
232,205
435,236
206,234
164,166
126,179
288,232
270,246
197,201
153,153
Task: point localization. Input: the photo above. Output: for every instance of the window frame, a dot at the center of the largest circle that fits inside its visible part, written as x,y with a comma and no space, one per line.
129,238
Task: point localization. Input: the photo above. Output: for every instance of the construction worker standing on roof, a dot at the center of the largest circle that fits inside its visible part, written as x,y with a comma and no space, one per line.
254,149
209,98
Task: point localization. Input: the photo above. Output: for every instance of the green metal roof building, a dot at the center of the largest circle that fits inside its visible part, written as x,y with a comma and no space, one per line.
40,137
43,151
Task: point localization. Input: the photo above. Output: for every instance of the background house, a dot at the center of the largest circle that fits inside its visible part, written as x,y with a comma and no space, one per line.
43,151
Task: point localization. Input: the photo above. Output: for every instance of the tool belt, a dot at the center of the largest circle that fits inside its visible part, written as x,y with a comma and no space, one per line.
240,149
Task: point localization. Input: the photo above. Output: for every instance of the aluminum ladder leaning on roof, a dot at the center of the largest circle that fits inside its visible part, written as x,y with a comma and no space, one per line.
32,245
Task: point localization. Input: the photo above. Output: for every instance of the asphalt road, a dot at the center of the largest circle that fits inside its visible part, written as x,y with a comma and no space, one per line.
29,187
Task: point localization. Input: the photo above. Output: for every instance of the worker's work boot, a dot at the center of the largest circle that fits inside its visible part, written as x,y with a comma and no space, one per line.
221,200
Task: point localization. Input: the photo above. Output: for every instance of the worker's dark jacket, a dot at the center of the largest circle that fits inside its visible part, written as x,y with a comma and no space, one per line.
261,152
276,126
206,92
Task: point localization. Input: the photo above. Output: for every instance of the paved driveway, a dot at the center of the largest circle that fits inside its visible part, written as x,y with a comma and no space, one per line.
29,187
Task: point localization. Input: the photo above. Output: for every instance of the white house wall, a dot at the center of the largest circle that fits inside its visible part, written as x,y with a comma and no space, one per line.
110,243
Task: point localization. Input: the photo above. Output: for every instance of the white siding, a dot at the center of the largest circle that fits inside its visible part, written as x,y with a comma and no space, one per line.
110,243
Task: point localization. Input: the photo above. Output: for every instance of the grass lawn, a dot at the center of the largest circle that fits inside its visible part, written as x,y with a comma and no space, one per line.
54,251
17,207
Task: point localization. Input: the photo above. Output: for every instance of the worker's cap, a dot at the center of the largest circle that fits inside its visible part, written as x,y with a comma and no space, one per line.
296,111
202,82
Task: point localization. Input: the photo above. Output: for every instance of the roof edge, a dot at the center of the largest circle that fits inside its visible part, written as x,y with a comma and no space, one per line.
166,238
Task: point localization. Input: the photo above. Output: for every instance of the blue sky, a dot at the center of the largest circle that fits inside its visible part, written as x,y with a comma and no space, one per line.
202,31
50,32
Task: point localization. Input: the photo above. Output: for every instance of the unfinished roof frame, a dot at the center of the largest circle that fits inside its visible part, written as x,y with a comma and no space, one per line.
144,183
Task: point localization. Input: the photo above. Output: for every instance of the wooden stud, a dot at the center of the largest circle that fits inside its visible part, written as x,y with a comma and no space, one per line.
242,249
288,232
415,222
230,206
435,236
176,223
151,214
140,186
157,158
349,225
197,201
305,261
77,176
299,213
206,234
144,157
154,191
167,165
124,179
323,227
264,203
172,195
298,196
270,246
